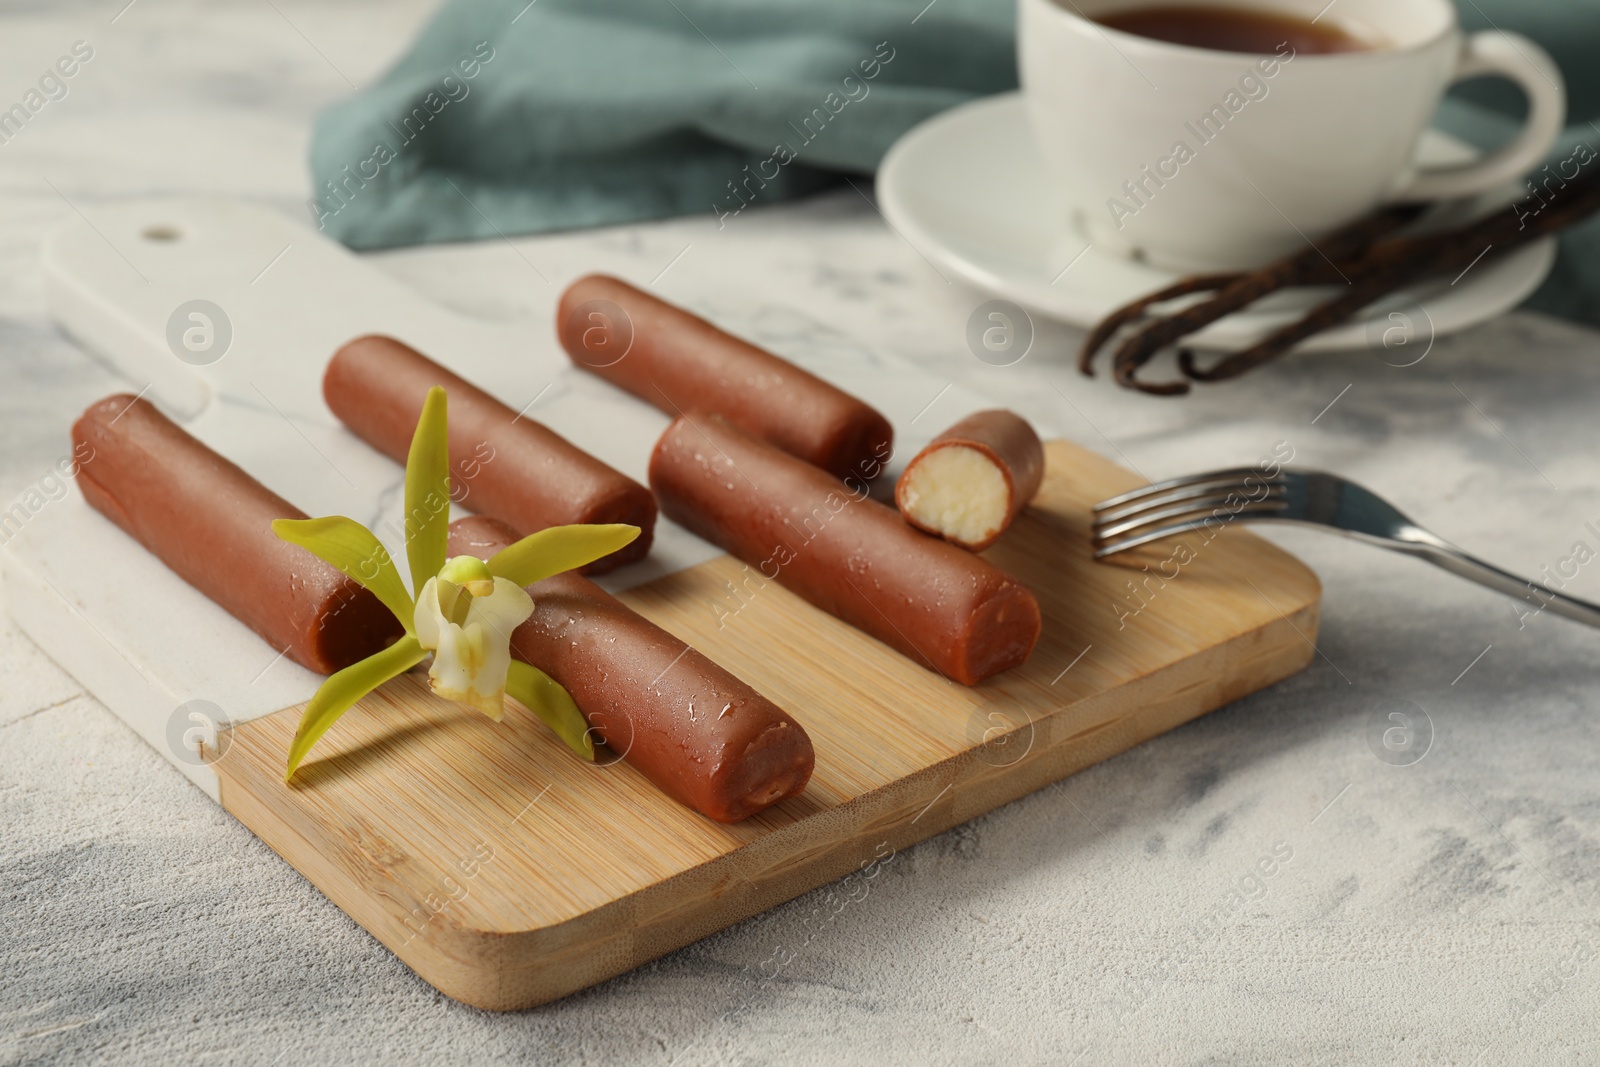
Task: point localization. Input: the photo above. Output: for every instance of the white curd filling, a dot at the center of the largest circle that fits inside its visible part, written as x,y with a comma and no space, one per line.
957,491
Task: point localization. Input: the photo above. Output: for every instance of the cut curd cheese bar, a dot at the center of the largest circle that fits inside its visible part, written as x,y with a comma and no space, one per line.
972,480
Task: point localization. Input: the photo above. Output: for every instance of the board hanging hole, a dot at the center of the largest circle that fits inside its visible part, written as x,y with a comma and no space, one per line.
161,233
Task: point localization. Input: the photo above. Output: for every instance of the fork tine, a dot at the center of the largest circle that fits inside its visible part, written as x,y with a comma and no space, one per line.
1101,551
1204,490
1107,536
1231,475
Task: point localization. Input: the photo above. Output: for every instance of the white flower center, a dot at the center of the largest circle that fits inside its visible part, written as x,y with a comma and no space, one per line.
467,626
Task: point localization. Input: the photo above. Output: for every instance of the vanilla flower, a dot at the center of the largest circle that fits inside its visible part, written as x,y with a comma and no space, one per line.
464,609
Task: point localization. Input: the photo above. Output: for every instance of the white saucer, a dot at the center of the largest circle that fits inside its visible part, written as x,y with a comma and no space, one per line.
969,191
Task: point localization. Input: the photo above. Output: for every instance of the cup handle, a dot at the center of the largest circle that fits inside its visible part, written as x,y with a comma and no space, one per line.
1518,59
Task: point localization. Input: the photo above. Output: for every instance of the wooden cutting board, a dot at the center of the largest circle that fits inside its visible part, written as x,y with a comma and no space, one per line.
501,869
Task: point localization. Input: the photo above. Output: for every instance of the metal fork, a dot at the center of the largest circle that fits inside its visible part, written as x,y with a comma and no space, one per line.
1217,499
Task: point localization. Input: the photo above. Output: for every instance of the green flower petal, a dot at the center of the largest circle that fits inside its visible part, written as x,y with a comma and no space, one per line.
343,689
543,696
428,491
356,551
560,548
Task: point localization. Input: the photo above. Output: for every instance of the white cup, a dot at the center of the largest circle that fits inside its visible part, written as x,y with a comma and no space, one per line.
1198,159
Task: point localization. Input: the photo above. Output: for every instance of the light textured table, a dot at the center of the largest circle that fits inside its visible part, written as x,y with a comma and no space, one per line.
1443,912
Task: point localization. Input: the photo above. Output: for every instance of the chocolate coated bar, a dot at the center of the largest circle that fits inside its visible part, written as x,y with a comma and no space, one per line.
844,552
682,364
973,479
212,524
701,735
501,464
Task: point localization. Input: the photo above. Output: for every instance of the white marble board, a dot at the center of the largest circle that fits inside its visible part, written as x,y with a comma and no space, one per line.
141,639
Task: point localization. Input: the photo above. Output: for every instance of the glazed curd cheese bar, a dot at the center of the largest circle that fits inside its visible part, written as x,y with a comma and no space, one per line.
972,480
501,463
843,551
701,735
684,365
211,523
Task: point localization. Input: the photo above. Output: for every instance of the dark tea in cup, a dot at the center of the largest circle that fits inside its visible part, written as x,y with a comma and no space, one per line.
1233,29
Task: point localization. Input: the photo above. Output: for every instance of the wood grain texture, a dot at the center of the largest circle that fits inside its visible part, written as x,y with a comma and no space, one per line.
507,873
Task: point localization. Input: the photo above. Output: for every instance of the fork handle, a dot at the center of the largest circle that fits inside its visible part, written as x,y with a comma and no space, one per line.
1442,553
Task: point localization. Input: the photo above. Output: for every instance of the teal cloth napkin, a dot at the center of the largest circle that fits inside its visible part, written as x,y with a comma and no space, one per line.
509,117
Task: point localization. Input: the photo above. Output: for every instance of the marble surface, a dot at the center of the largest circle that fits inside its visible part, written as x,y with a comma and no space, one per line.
1258,886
